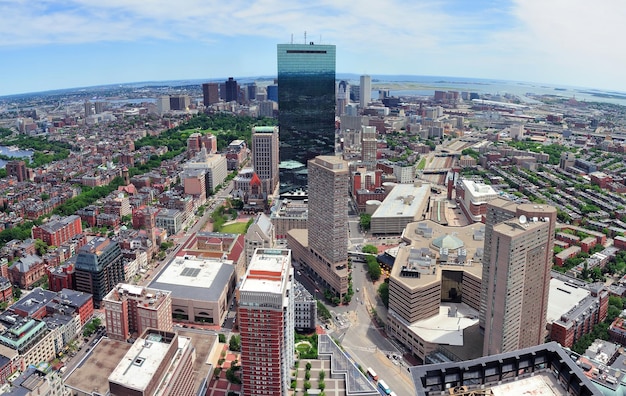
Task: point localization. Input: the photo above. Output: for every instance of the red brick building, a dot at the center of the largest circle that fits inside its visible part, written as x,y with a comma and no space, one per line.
61,277
55,233
27,271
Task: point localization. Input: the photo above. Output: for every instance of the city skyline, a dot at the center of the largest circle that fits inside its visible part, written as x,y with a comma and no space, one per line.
54,45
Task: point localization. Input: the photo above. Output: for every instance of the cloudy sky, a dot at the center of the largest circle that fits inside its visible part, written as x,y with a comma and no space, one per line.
49,44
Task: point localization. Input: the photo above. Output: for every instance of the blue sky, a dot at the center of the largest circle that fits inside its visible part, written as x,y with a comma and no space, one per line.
50,44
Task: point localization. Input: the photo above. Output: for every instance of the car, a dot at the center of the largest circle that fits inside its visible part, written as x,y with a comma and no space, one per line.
357,290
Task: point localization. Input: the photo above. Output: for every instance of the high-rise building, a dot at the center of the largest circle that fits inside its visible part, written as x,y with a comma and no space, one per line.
99,107
516,275
18,169
328,209
365,92
306,102
266,323
265,156
251,91
163,104
179,102
88,108
272,93
99,267
210,93
368,145
132,309
343,97
231,93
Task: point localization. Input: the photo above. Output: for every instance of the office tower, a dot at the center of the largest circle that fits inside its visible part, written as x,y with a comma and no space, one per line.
306,102
265,156
266,323
163,104
251,91
343,97
266,108
383,93
516,275
179,102
134,309
368,144
18,169
210,93
231,93
99,107
88,108
158,363
365,91
328,209
272,93
99,267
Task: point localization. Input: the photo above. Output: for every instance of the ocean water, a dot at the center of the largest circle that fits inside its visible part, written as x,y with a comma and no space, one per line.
13,153
427,85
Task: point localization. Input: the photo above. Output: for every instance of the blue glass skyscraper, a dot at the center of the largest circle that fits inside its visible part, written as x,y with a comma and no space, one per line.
306,106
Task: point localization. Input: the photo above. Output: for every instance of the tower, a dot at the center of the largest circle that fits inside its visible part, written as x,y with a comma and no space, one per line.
88,108
328,209
516,275
368,145
265,156
266,323
306,102
231,90
343,97
210,93
365,91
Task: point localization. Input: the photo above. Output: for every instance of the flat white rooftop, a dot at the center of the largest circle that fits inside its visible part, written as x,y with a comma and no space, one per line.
562,298
445,329
478,190
267,271
191,272
142,360
404,200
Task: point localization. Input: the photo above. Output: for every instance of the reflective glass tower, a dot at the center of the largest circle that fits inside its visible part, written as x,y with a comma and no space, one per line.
306,105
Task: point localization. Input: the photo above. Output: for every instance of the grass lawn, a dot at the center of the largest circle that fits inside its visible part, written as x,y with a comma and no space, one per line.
234,228
421,164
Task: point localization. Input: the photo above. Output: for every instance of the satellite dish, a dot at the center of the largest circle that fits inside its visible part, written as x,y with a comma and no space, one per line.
522,219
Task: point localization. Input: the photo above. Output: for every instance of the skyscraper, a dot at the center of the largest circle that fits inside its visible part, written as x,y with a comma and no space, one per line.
266,323
516,275
265,156
366,91
368,145
306,101
231,93
99,267
343,97
210,93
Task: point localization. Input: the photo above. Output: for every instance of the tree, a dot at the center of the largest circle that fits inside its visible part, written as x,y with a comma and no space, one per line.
235,343
383,292
370,249
373,268
365,221
41,247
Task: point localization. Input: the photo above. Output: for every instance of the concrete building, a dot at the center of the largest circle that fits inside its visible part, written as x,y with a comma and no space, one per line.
215,166
365,91
28,339
99,267
260,234
170,219
131,309
201,289
516,275
473,198
368,145
265,157
323,248
36,381
179,102
289,214
434,290
210,93
543,369
266,323
404,204
194,184
159,363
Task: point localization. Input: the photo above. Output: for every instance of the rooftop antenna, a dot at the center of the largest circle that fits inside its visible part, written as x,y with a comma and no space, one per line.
305,37
320,39
291,38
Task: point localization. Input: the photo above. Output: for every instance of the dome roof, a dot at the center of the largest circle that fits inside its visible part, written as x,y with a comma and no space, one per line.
448,241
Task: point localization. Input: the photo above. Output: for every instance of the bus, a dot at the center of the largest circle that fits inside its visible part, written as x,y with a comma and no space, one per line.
383,386
372,374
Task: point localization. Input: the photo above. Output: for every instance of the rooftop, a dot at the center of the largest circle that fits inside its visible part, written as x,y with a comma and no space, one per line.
446,327
267,271
404,200
195,279
563,297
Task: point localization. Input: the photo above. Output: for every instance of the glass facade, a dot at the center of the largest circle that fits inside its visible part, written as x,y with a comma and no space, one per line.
306,104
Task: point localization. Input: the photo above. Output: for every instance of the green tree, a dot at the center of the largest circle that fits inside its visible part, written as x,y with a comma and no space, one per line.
383,292
234,343
365,221
373,268
370,249
41,247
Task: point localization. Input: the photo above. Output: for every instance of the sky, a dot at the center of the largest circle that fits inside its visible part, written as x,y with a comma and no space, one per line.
55,44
